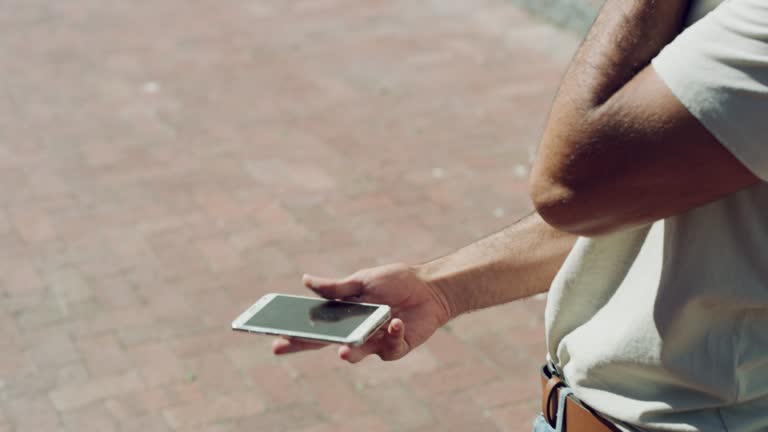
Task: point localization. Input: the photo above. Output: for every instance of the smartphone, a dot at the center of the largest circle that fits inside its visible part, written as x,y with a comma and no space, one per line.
313,319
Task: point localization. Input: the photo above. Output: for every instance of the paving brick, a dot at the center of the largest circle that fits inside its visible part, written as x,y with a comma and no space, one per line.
66,398
154,423
103,355
50,347
214,373
457,412
373,371
448,350
253,353
288,419
190,346
189,283
88,254
248,285
115,292
515,347
452,379
270,260
402,409
210,411
219,204
121,408
71,375
38,312
90,418
146,331
220,253
20,277
337,264
188,391
278,386
367,423
487,321
140,403
518,385
13,248
5,223
111,320
33,413
156,363
127,245
168,306
12,359
315,363
336,398
220,426
9,331
301,175
29,380
213,307
515,417
32,225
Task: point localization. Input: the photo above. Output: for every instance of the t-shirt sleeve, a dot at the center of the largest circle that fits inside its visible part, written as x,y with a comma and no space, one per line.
718,69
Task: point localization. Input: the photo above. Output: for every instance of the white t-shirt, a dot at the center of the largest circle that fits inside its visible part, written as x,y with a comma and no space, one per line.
665,327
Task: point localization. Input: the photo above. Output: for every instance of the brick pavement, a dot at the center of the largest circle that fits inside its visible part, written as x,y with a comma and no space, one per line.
163,164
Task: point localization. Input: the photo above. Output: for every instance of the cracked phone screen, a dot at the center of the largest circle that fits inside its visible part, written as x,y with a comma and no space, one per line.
322,317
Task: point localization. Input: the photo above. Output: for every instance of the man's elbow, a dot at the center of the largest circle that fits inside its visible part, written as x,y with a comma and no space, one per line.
566,207
553,201
568,184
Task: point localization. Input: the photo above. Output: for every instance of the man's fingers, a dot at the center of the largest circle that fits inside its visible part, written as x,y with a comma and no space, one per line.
355,354
396,329
333,288
389,344
285,346
395,345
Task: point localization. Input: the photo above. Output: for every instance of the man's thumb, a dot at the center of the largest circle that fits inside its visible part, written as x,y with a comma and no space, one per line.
333,288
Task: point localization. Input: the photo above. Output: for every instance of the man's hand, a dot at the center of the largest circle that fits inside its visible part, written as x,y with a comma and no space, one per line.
418,310
511,264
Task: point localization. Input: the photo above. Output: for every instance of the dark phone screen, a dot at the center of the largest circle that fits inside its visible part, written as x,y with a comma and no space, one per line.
322,317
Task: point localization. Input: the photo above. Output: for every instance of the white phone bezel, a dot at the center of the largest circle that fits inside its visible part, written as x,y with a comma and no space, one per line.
378,318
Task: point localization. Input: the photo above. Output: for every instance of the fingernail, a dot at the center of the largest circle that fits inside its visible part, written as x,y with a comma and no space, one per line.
344,353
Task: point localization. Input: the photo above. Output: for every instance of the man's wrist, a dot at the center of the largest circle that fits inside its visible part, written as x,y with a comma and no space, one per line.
440,288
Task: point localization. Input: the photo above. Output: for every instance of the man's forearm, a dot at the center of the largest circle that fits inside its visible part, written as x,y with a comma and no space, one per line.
626,36
517,262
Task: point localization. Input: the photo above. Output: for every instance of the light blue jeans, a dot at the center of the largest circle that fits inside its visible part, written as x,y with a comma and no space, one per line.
541,425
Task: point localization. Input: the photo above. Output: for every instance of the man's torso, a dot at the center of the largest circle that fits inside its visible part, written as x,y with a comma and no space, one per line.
663,327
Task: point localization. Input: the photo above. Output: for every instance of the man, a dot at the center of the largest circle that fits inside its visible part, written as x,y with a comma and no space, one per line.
650,232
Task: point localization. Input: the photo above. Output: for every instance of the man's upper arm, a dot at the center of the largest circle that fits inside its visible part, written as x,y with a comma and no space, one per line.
684,132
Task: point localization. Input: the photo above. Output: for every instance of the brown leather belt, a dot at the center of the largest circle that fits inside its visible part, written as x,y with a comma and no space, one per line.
578,417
